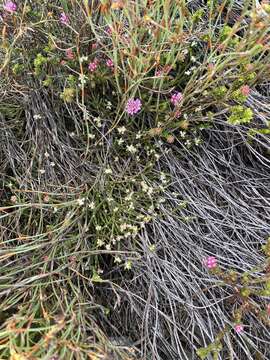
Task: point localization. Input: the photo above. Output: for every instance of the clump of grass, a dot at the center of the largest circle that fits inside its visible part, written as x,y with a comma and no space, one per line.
133,144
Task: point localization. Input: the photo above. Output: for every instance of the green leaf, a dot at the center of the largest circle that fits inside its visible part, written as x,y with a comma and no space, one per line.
203,353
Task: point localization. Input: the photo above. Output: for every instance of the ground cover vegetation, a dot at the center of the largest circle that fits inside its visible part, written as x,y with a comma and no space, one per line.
135,186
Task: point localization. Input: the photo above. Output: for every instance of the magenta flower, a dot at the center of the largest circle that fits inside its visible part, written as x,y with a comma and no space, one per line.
93,66
239,328
176,98
64,19
268,309
10,6
110,63
133,106
210,262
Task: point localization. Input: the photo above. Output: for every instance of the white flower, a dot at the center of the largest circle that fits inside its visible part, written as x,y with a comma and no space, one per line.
91,136
197,141
80,201
108,171
91,205
144,186
42,171
188,143
123,227
128,265
187,72
82,79
132,149
108,105
37,117
98,227
121,130
83,59
117,259
163,178
100,242
182,134
120,141
108,247
52,164
46,154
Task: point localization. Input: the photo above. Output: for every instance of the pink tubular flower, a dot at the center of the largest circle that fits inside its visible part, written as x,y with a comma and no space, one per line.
210,262
176,98
239,328
69,54
110,63
93,66
10,6
245,90
133,106
64,19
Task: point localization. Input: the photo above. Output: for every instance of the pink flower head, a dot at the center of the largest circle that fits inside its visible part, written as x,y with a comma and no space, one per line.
133,106
93,66
69,54
159,72
268,309
108,30
177,114
10,6
94,45
210,262
176,98
239,328
64,19
110,63
245,90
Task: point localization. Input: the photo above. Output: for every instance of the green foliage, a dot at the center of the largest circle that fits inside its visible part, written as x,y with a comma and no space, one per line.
220,92
212,349
39,63
68,94
240,115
